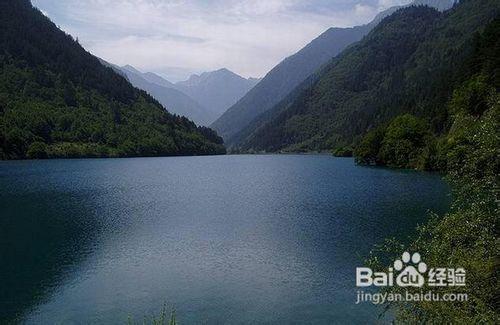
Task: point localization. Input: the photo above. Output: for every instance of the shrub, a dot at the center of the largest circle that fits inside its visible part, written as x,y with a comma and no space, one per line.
37,150
342,152
404,142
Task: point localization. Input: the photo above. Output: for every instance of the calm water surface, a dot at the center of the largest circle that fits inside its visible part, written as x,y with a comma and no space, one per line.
226,240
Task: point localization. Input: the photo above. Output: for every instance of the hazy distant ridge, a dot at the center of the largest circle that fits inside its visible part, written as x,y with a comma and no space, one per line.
217,90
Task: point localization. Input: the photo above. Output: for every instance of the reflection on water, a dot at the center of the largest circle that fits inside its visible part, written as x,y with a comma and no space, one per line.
43,235
235,239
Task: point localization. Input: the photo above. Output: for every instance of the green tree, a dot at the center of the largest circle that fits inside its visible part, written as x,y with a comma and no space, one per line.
342,152
37,150
404,141
367,152
472,97
55,92
467,236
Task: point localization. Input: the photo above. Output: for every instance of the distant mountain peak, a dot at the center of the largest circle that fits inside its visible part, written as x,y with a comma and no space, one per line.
217,90
166,93
196,79
254,80
192,80
131,69
151,74
148,76
223,70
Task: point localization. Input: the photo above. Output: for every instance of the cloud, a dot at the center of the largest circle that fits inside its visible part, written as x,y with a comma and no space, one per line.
246,36
385,4
365,11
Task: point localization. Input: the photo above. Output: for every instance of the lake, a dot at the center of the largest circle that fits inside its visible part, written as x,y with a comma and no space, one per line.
243,239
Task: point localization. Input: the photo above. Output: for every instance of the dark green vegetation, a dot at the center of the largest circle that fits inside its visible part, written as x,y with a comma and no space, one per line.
57,100
405,143
250,112
410,63
408,141
282,79
469,152
342,152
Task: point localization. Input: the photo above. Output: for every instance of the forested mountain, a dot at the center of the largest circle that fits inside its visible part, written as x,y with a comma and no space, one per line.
408,64
440,5
175,101
287,75
468,152
57,100
217,90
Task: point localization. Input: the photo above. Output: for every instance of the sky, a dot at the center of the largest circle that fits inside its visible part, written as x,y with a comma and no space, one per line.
176,38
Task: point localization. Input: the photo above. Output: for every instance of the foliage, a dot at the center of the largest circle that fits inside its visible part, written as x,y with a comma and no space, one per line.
409,64
342,152
404,140
367,152
467,236
471,97
37,150
405,143
55,93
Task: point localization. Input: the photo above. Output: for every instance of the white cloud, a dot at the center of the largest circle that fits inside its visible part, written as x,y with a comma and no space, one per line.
365,11
385,4
246,36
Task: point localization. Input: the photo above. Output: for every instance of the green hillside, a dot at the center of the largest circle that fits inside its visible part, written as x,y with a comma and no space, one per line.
241,119
57,100
467,236
410,63
283,78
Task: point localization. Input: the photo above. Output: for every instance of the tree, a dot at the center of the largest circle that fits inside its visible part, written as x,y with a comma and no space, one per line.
367,152
54,92
404,141
37,150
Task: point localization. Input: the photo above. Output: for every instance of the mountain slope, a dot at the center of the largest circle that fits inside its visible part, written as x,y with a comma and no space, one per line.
287,75
156,79
468,152
57,100
175,101
217,90
408,64
284,77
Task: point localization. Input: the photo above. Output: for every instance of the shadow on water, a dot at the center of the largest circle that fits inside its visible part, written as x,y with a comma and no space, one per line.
43,236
